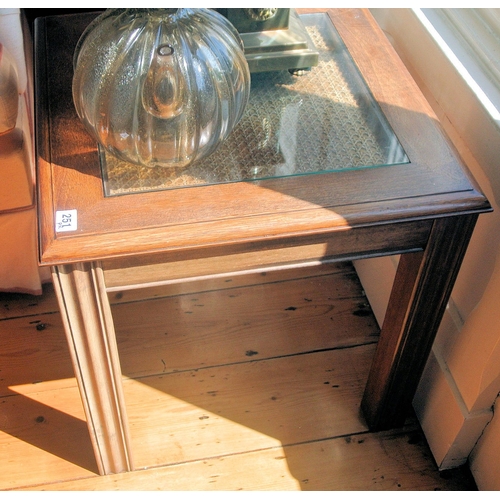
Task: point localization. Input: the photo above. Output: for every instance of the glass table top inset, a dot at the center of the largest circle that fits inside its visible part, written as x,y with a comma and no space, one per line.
325,120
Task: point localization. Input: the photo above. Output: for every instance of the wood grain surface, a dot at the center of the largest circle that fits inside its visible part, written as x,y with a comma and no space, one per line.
235,406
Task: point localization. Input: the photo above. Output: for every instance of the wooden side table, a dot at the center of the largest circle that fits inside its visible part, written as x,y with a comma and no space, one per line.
373,175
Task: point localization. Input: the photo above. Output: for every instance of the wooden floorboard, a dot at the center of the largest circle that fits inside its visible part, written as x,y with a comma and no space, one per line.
388,461
252,383
247,406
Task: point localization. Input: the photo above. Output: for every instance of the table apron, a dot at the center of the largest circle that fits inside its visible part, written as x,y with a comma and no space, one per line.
264,256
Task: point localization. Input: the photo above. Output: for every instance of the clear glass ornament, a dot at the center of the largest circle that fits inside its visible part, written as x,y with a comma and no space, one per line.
160,87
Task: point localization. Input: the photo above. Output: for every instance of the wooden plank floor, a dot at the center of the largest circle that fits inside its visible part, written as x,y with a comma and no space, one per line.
251,383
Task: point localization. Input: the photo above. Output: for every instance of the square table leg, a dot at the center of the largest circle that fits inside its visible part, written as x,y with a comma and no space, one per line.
88,323
421,290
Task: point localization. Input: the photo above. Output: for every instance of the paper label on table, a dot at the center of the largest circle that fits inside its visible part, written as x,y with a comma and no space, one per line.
66,220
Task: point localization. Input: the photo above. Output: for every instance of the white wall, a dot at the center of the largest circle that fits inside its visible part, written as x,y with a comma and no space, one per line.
455,399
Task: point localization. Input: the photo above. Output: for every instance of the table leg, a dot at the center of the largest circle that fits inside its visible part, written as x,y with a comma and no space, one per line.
419,296
91,338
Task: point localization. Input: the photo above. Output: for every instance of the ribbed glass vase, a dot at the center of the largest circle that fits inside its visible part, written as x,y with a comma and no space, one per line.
160,87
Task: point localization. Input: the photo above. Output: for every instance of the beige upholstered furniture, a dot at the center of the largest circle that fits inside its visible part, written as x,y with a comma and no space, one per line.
19,270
